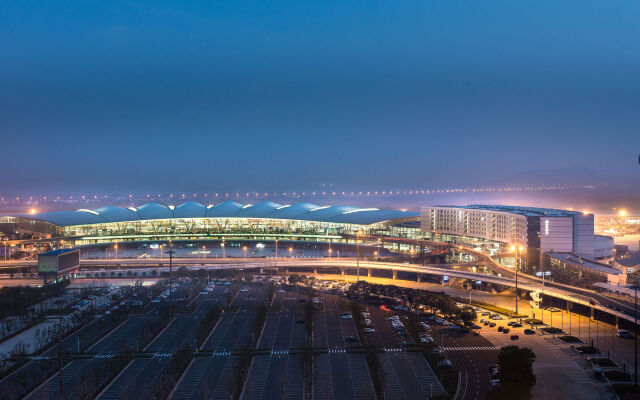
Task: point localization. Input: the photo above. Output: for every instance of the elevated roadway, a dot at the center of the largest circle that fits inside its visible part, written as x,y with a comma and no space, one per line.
576,295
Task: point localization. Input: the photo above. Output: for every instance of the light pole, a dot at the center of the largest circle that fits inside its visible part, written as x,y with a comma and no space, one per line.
516,249
224,250
171,253
276,247
635,336
290,251
244,249
115,246
358,256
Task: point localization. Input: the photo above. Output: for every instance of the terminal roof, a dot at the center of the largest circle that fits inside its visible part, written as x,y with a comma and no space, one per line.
227,209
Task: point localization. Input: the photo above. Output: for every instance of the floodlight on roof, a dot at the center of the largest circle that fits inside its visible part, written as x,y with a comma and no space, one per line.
88,211
318,208
278,208
360,210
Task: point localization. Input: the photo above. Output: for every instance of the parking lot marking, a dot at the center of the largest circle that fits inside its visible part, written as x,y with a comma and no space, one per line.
481,348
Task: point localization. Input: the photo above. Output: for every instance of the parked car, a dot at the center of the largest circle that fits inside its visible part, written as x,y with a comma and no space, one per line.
506,330
515,337
625,334
445,363
492,325
500,328
529,332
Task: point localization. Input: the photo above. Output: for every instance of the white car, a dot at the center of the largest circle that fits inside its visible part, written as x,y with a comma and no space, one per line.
369,330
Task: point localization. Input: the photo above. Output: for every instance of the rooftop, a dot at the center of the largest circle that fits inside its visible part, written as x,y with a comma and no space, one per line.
526,211
227,209
584,262
57,252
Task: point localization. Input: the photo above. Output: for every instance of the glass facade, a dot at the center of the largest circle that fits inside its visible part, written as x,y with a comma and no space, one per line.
256,228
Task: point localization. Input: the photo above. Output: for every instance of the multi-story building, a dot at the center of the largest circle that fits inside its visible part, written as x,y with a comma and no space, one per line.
540,230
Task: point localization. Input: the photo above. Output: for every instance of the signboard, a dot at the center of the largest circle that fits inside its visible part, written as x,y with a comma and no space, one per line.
58,262
48,265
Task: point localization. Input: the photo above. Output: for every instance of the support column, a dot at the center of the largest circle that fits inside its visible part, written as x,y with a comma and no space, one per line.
369,272
395,274
261,270
419,278
341,271
315,271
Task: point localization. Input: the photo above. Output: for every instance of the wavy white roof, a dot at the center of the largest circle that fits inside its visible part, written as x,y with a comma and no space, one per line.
227,209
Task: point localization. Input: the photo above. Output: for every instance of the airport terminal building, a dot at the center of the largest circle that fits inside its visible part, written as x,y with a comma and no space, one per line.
229,219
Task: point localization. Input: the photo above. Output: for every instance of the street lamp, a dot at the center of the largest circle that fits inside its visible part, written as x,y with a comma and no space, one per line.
224,251
358,256
244,249
171,253
290,251
329,251
115,246
276,247
635,336
518,251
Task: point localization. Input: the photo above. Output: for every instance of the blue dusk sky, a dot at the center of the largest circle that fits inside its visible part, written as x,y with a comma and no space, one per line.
260,95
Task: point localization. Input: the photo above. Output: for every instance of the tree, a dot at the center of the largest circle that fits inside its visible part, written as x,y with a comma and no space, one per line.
516,373
294,278
202,274
468,315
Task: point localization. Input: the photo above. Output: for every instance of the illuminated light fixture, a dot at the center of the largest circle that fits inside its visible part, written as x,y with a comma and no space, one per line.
318,208
281,207
210,206
248,205
32,211
171,207
135,210
360,210
88,211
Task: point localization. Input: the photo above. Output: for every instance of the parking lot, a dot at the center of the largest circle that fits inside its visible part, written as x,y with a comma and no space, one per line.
141,376
276,376
284,329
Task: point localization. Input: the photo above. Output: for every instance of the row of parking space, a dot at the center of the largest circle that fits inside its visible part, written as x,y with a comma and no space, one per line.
207,377
275,377
232,332
408,376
